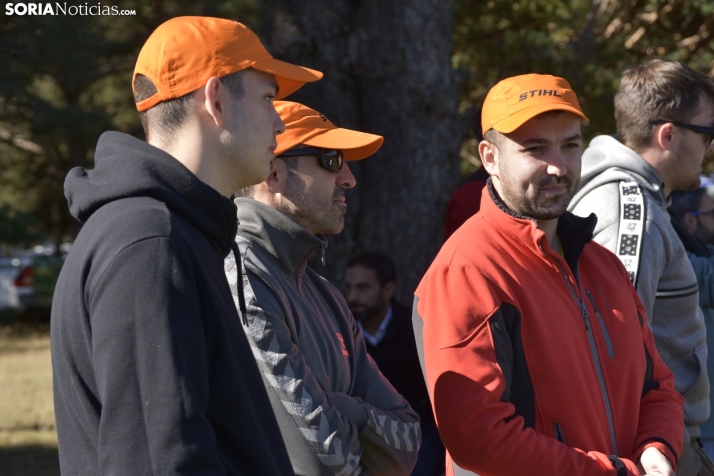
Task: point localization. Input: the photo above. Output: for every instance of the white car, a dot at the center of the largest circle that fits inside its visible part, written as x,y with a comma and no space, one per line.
16,283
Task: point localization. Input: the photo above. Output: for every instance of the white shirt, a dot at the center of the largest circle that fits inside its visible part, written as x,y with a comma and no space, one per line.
379,335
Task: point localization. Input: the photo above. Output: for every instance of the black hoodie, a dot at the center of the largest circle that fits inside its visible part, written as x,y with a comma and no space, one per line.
152,371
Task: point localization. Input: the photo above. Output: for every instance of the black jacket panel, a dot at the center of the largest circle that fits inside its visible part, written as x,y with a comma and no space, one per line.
152,371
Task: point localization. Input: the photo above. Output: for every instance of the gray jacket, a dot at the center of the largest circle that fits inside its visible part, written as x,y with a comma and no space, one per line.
666,282
337,413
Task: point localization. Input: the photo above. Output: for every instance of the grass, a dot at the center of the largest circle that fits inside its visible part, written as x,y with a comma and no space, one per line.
28,441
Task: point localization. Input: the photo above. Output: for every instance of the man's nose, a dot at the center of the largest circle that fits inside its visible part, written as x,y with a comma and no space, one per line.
278,124
557,164
345,179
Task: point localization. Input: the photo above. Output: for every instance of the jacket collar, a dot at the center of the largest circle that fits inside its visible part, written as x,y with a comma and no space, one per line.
574,231
396,326
287,242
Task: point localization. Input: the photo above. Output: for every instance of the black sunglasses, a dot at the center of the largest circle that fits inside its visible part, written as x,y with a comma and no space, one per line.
331,159
698,129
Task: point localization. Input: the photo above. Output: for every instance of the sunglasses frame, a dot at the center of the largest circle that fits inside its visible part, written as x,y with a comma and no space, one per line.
692,127
698,213
324,156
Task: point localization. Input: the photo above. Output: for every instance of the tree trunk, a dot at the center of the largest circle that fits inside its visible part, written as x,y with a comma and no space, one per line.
388,71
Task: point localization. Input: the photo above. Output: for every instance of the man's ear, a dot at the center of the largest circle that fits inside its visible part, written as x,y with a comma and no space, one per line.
489,157
663,136
277,177
388,290
215,99
689,222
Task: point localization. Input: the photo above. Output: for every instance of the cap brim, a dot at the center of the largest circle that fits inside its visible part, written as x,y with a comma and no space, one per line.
353,144
517,119
290,77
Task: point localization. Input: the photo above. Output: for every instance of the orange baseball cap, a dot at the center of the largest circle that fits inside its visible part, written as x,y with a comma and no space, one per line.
182,53
307,126
515,100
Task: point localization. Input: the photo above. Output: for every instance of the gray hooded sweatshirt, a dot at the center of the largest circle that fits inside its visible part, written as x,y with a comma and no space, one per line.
666,282
336,412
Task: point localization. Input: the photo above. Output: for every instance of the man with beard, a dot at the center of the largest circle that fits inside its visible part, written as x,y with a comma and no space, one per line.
535,348
664,113
336,412
387,328
692,213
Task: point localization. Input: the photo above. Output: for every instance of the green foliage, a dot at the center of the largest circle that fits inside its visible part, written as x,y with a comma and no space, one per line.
64,81
589,43
17,227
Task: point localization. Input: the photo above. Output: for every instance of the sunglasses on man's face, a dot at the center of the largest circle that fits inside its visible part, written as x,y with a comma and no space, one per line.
707,131
331,159
698,213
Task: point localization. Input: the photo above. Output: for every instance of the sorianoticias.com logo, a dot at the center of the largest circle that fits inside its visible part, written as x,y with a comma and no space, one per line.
61,8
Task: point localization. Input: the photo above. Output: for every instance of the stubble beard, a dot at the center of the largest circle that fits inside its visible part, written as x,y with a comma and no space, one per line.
704,234
685,154
365,315
537,207
310,211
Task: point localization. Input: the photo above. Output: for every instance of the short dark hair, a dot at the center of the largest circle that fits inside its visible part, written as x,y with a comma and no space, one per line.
657,89
167,116
494,137
382,265
684,201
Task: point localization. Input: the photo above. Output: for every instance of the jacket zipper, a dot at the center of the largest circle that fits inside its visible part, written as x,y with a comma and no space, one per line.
608,342
588,328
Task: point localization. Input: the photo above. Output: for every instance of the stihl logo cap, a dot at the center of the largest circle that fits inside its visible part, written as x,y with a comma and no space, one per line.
513,101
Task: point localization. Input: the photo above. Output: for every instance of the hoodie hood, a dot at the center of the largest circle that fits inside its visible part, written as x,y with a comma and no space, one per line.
607,160
128,167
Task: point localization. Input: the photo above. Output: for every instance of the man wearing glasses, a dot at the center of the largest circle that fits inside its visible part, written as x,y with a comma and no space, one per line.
692,213
336,412
664,113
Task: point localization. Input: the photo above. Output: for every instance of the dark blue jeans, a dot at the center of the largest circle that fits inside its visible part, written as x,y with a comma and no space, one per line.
432,455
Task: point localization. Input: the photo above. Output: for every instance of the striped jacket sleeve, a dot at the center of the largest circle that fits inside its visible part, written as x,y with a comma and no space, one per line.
392,436
347,435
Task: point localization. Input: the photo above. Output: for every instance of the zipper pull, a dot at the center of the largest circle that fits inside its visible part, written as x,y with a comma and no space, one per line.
324,247
584,310
592,300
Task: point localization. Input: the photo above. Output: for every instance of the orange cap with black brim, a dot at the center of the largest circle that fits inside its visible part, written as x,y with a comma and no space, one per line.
182,53
513,101
307,126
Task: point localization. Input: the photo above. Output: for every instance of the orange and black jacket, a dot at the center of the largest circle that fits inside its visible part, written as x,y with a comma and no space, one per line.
537,363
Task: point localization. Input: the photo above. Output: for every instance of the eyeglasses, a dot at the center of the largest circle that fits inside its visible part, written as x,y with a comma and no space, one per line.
698,129
331,159
697,213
